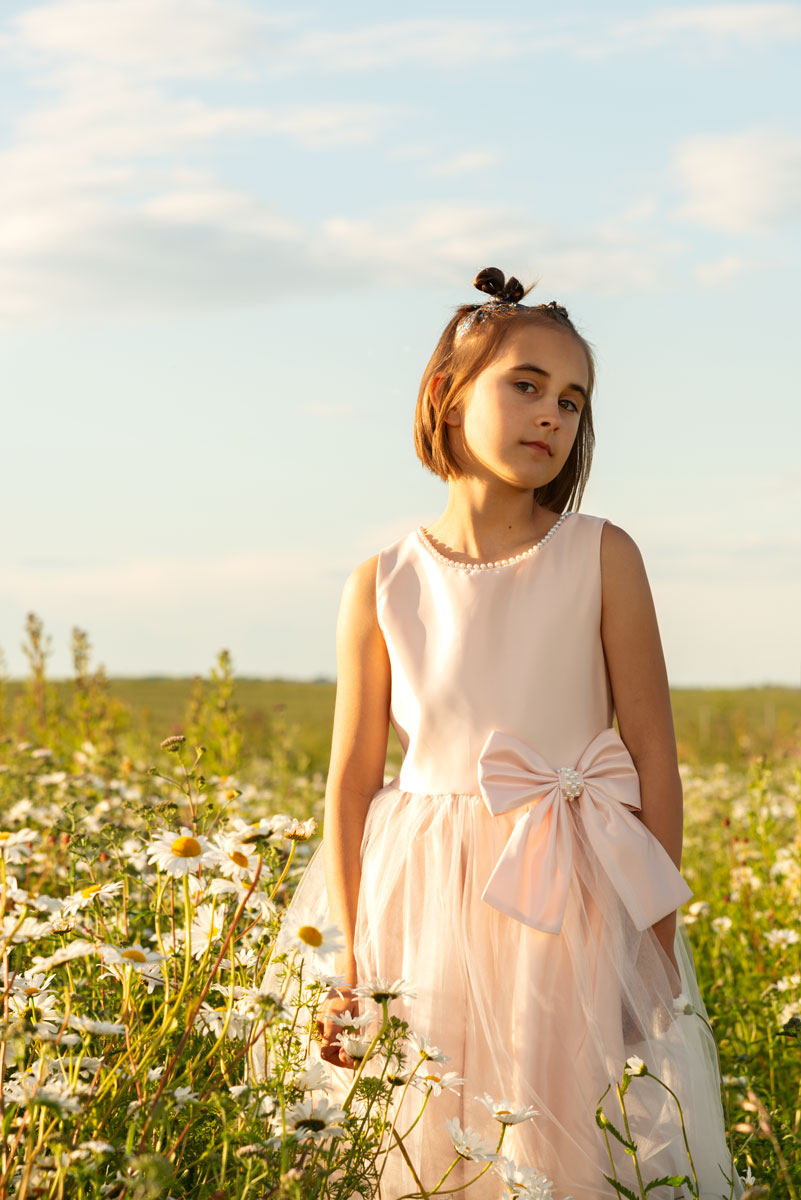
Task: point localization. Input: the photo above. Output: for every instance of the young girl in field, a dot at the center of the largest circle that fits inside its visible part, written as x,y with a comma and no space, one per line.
521,871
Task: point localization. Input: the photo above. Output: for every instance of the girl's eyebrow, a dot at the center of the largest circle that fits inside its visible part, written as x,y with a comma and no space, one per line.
573,387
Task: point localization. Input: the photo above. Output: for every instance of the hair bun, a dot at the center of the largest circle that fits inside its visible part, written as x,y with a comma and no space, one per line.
491,280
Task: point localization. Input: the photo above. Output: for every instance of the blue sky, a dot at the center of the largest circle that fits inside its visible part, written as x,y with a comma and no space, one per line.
230,234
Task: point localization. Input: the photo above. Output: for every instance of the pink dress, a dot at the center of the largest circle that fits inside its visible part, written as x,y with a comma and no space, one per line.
507,878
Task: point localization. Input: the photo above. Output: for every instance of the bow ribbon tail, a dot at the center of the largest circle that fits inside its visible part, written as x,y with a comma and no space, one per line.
531,878
637,864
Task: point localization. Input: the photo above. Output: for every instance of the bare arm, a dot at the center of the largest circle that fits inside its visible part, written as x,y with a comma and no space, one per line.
358,749
636,666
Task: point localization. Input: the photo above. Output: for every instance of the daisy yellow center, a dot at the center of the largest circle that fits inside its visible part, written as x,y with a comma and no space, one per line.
239,859
186,847
92,890
313,1123
134,955
503,1112
4,836
231,794
433,1078
310,935
32,991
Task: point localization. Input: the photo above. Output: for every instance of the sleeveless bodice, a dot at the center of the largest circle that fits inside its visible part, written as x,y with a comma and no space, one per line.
515,647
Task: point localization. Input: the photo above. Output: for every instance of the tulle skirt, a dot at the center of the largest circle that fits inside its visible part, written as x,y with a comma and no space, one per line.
538,1019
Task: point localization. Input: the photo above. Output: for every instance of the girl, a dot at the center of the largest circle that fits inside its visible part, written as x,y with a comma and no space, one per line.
521,872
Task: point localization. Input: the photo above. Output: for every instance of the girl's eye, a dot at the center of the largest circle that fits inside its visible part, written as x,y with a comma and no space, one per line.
523,383
567,400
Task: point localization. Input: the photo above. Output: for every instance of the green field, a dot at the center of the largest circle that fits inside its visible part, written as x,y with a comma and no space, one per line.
712,724
130,1009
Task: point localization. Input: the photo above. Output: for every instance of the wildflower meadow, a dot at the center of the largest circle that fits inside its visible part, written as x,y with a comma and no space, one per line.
142,886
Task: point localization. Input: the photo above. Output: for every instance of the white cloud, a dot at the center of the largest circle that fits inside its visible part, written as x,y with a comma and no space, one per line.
199,245
100,210
199,39
470,160
741,22
745,182
158,38
720,270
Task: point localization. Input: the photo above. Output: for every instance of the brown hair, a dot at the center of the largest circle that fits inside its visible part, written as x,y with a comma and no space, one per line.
469,342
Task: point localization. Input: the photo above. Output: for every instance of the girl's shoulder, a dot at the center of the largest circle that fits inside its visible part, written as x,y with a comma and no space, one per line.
617,550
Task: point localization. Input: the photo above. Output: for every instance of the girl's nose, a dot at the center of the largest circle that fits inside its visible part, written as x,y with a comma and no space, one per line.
549,415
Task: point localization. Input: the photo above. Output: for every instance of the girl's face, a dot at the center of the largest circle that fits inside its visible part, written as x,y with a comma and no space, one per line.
519,418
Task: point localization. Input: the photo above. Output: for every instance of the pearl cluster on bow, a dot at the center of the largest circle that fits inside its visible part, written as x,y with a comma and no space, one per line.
500,562
571,782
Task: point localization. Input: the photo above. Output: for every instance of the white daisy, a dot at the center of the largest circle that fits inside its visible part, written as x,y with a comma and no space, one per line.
310,1122
249,1002
423,1048
14,846
502,1110
88,1025
308,935
682,1005
223,887
42,1010
26,930
214,1021
233,859
348,1021
436,1082
300,831
28,1092
248,832
783,937
88,1064
96,1147
469,1144
184,1096
79,948
30,983
635,1066
180,855
93,891
356,1047
382,989
523,1183
312,1076
121,960
207,928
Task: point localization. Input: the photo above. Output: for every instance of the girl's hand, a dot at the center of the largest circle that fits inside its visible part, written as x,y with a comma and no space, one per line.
332,1006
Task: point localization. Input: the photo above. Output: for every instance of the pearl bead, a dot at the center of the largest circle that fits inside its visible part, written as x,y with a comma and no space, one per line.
501,562
571,783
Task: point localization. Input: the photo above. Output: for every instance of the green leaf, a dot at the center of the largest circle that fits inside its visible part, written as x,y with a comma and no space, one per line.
620,1187
667,1181
604,1123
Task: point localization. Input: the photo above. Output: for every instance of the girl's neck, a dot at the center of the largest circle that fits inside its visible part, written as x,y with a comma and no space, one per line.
487,530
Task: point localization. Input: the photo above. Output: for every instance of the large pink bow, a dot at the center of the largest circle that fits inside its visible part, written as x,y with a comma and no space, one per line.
530,880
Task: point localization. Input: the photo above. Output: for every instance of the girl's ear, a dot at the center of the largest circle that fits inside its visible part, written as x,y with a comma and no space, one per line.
435,390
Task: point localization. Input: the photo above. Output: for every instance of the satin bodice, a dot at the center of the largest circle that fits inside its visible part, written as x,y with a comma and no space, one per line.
515,647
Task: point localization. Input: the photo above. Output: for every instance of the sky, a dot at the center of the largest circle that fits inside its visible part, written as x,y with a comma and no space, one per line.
230,236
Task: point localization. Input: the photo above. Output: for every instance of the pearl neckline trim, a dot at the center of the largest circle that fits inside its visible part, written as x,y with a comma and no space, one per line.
489,566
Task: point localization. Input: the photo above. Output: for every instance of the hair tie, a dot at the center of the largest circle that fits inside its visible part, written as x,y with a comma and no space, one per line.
503,295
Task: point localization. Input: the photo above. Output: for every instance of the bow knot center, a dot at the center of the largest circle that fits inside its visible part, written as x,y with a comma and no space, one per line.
571,783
